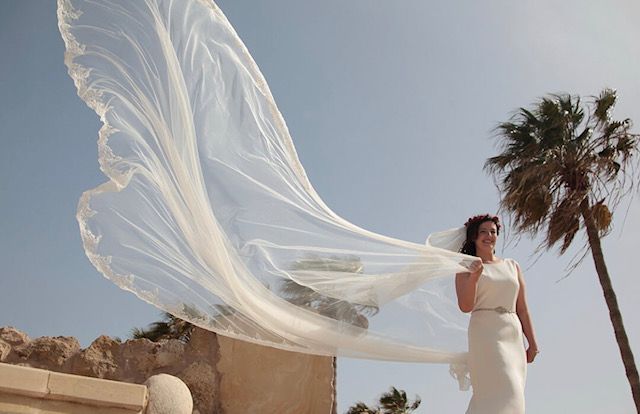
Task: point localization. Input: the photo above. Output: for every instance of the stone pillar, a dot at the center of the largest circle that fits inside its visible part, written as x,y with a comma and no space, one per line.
259,379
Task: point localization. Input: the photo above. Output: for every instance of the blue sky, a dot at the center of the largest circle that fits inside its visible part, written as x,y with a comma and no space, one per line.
391,106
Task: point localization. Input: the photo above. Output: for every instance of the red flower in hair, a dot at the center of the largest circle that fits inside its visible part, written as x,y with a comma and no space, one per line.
483,218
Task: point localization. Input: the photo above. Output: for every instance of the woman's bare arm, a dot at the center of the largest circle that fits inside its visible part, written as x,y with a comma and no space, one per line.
466,284
522,309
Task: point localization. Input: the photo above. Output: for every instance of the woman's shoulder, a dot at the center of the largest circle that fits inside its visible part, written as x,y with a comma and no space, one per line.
512,263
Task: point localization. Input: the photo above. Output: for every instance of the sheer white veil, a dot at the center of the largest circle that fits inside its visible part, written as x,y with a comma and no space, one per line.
208,213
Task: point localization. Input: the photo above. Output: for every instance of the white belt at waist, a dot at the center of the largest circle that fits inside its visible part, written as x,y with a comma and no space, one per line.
498,309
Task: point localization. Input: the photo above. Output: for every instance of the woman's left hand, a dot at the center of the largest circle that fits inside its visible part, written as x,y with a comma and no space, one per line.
532,353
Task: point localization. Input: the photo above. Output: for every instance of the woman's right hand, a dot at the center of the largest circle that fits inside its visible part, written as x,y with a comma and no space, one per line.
466,285
475,269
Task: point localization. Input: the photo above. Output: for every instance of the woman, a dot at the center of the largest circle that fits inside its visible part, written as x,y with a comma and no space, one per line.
494,292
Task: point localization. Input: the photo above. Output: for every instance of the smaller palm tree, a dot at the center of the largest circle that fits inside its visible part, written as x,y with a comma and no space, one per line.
392,402
351,313
171,327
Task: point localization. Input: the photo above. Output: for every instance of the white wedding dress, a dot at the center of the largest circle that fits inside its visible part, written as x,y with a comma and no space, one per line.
497,359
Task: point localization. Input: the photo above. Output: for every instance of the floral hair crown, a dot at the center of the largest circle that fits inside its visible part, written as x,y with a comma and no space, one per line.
482,218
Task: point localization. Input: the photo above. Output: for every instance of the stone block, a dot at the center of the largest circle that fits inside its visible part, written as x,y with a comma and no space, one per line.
23,380
277,381
97,392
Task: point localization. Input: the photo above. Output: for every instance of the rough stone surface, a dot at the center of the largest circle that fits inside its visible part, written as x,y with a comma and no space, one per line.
202,380
5,349
98,360
168,395
170,354
45,352
137,358
12,336
225,376
131,361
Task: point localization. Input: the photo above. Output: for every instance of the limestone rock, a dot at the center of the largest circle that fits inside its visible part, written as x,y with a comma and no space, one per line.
170,353
203,344
12,336
202,380
45,352
138,359
168,395
5,349
98,360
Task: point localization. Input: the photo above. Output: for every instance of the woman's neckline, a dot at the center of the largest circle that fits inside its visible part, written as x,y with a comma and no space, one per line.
494,262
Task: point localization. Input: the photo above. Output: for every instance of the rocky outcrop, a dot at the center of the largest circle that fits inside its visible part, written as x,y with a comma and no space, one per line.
224,375
45,352
99,360
131,361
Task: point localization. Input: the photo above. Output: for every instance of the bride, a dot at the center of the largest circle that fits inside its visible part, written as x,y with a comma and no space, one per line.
493,290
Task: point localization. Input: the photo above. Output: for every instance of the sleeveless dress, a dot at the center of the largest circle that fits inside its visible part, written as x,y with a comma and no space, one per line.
497,359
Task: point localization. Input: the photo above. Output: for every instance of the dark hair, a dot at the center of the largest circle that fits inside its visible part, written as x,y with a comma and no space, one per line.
472,225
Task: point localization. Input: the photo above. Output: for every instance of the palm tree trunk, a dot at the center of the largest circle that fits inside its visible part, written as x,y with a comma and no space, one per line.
612,303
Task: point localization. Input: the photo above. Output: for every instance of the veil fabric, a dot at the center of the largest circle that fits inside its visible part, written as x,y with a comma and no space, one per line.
208,213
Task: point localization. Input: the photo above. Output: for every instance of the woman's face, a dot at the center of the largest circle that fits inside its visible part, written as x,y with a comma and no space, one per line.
487,237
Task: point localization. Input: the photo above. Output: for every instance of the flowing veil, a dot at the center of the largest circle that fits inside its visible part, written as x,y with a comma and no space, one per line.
208,213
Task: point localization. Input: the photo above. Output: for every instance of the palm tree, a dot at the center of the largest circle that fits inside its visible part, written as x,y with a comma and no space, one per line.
340,310
564,167
171,327
391,402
